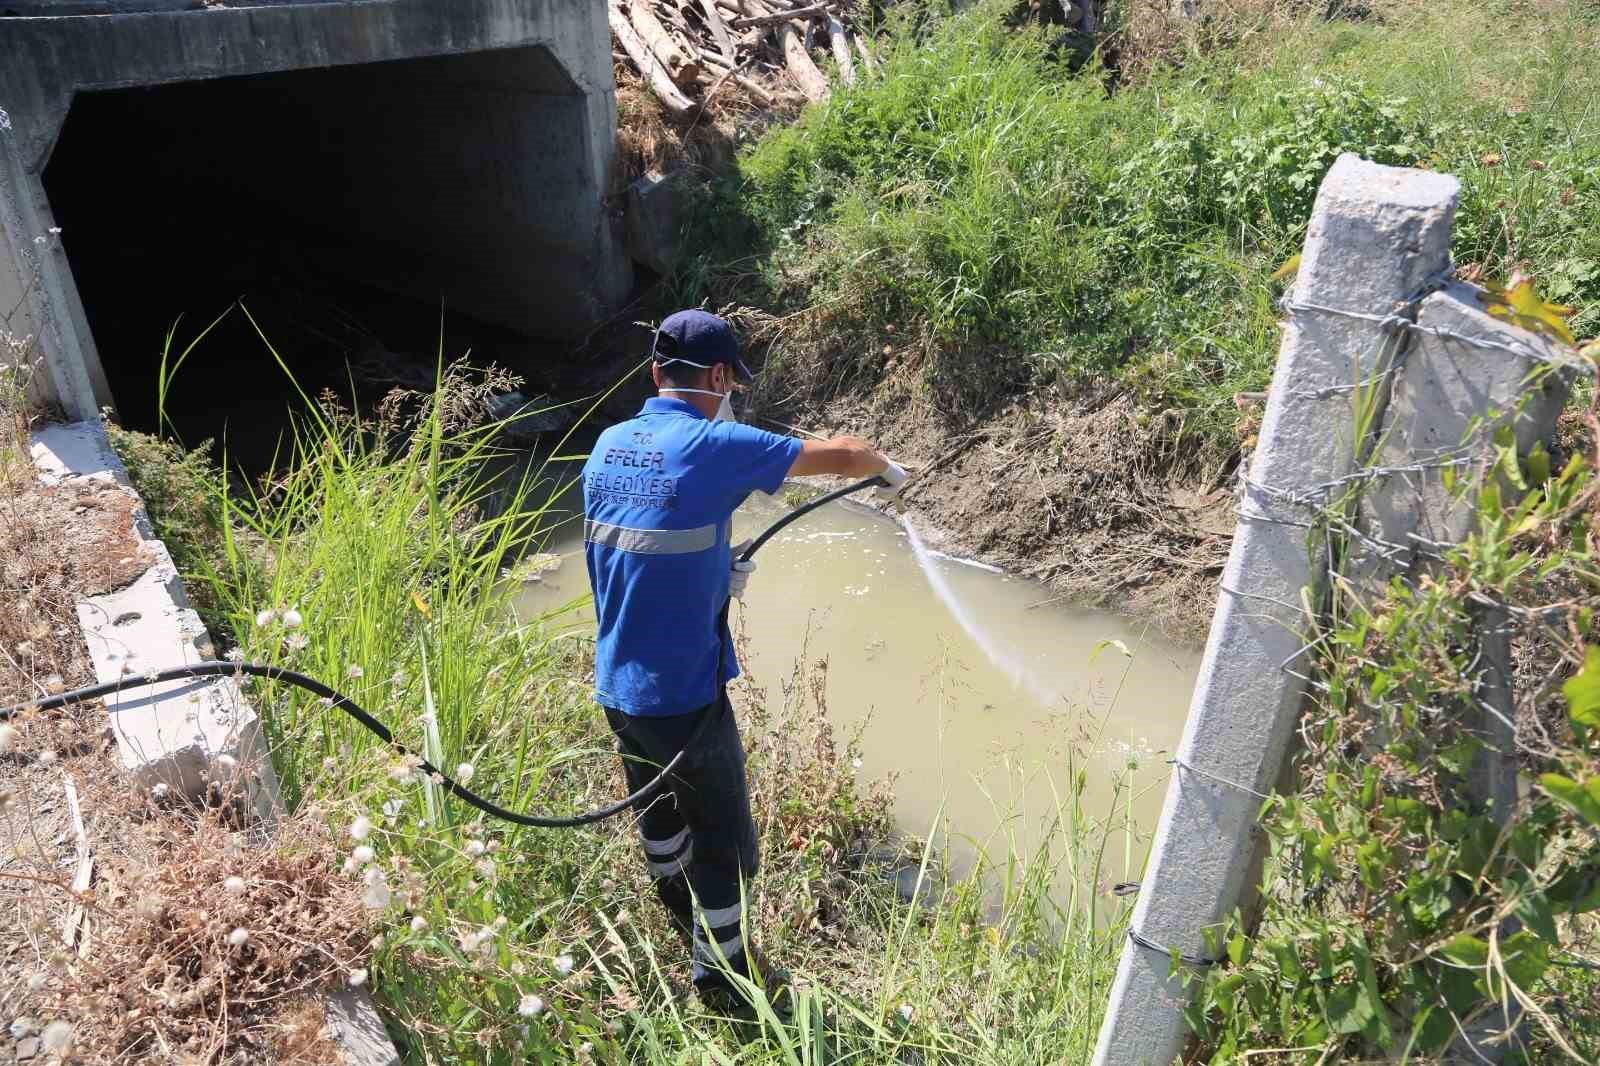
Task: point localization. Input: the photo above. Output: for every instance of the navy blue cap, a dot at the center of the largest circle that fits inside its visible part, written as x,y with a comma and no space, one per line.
700,339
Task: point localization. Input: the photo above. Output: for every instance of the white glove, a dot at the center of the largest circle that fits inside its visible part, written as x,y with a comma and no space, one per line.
894,476
739,575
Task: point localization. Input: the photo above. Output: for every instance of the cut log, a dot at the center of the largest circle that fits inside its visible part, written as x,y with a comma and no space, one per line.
757,93
801,68
719,30
868,60
650,68
841,49
777,17
678,64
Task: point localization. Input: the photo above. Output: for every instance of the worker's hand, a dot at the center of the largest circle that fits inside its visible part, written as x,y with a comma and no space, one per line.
894,476
739,575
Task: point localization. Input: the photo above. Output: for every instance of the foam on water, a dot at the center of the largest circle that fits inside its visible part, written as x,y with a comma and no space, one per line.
1004,658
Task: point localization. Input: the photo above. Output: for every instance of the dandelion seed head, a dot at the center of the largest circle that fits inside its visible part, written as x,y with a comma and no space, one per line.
464,772
485,869
296,642
160,790
291,619
234,886
264,617
234,655
363,854
357,978
361,828
56,1038
564,964
419,924
350,867
239,938
377,895
475,848
531,1006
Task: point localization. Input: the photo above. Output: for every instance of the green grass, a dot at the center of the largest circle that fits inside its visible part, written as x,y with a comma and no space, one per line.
1022,229
374,536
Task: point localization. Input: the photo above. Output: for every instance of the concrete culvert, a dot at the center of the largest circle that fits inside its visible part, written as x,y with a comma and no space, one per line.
306,158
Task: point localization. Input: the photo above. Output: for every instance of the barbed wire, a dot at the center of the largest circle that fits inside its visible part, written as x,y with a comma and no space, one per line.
1399,327
1180,764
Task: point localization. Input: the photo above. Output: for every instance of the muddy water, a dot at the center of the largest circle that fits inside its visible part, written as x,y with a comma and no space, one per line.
984,737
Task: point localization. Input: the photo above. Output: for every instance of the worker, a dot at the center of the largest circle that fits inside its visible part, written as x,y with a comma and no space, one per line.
659,492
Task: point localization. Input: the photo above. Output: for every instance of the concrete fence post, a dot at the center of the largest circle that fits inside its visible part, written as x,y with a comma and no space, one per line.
1468,376
1377,235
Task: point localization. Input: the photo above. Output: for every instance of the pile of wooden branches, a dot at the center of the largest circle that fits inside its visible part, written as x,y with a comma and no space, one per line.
686,50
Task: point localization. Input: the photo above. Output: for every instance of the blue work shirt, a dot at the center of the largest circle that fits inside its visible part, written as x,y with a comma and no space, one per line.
659,492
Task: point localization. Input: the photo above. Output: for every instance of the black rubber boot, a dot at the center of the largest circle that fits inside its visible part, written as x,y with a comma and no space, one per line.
675,897
719,993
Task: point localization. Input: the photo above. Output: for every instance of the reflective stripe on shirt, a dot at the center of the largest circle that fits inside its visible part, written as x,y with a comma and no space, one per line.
651,541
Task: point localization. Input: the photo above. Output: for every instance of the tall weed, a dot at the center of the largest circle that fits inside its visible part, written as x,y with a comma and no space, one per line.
996,224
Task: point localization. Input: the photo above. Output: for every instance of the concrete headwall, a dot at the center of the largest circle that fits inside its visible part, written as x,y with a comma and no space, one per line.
458,151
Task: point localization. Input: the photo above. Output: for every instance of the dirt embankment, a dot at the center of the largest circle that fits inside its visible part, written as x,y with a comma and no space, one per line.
1099,503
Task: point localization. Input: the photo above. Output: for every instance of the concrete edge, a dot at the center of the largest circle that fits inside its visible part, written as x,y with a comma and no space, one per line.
187,734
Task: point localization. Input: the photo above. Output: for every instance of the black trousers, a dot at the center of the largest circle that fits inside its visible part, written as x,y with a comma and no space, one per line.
697,830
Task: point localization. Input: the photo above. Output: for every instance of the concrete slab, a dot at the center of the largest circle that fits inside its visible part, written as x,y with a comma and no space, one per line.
654,215
354,1025
64,451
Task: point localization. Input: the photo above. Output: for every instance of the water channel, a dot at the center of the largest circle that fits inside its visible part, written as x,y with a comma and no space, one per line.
979,738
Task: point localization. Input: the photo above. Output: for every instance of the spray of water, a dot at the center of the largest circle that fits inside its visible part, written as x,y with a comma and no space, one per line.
1005,659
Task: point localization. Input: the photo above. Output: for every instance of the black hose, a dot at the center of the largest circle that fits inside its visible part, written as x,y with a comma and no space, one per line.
355,710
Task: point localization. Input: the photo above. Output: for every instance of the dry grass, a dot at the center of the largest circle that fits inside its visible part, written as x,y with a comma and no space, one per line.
157,974
649,139
1155,34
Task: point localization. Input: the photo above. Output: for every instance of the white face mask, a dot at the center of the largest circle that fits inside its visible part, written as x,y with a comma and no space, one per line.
724,409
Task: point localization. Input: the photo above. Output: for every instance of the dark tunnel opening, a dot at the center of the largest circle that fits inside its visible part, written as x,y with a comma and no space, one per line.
369,218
